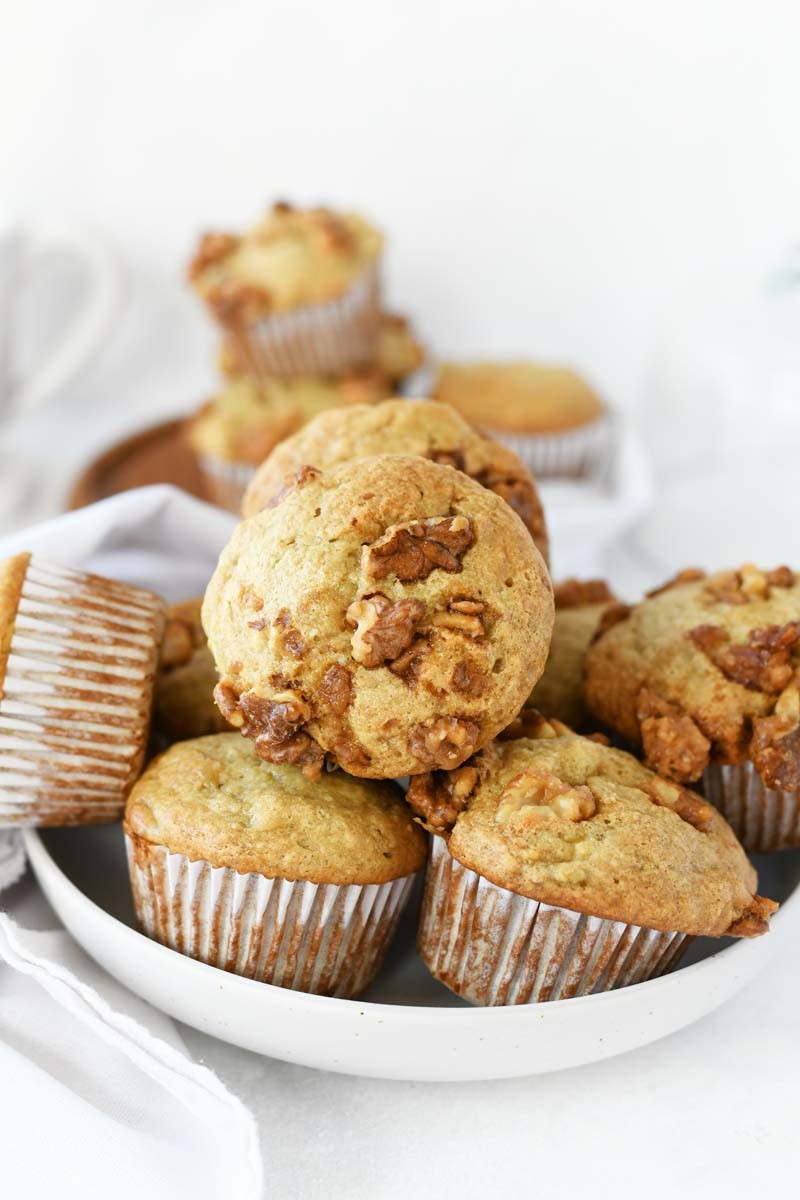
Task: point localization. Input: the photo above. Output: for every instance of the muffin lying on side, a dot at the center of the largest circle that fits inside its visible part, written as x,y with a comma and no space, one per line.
566,867
704,674
252,868
184,697
420,427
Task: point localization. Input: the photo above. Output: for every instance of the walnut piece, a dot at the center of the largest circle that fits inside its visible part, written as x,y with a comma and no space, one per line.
212,248
462,616
775,743
275,724
765,663
294,479
520,495
541,795
336,688
683,803
577,593
408,665
235,304
439,796
290,637
755,921
687,575
449,458
413,550
749,583
468,679
610,617
383,628
674,745
443,742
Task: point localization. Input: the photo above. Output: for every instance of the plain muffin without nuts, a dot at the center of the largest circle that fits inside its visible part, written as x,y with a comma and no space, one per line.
518,397
419,427
255,869
391,613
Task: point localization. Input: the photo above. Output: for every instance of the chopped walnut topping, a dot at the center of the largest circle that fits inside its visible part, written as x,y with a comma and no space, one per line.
519,494
292,638
275,724
294,479
765,663
439,796
251,599
468,679
409,664
336,688
727,588
413,550
687,575
177,645
611,617
775,744
443,742
212,248
530,723
463,616
674,745
749,583
235,303
258,623
683,803
449,458
781,577
576,593
755,921
542,795
383,628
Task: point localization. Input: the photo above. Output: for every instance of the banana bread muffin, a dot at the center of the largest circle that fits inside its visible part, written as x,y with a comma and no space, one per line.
391,613
251,867
567,867
704,674
298,294
547,414
419,427
184,698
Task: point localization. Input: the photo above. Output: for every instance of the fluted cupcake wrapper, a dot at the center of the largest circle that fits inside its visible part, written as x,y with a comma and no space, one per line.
492,946
75,697
762,818
226,481
580,452
311,937
319,339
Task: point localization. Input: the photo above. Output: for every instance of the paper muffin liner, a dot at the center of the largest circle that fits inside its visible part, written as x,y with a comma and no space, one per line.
76,697
310,937
226,482
580,452
761,818
318,339
492,946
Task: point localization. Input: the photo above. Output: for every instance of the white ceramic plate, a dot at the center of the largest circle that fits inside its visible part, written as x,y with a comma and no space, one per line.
408,1026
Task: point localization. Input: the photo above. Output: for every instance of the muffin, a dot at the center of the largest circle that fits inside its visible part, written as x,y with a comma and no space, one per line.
184,698
392,614
234,432
563,867
419,427
252,868
77,664
704,674
548,415
580,605
298,294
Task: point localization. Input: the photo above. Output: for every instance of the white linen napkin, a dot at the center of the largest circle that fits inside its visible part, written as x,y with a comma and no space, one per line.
98,1096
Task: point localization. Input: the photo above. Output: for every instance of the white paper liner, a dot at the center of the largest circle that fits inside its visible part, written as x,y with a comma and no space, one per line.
226,481
492,946
581,452
320,938
76,697
761,818
320,339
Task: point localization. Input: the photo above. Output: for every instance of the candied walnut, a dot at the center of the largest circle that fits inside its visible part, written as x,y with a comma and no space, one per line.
439,796
541,794
275,724
291,637
781,577
383,628
443,742
611,617
250,598
212,248
755,920
449,458
413,550
462,616
294,479
519,494
576,593
177,645
683,803
336,688
727,588
765,663
674,745
468,679
687,575
775,744
408,666
258,623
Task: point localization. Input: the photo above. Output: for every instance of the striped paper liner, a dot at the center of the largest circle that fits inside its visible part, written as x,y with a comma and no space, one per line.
76,697
226,481
579,453
761,818
493,947
310,937
319,339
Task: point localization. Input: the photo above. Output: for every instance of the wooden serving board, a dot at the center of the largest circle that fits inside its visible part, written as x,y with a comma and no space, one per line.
161,454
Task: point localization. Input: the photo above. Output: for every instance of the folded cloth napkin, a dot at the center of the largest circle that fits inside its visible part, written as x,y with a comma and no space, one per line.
98,1096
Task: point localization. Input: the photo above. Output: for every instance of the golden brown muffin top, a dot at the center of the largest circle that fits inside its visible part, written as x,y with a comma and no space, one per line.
292,257
518,397
568,821
390,613
420,427
706,667
12,579
214,800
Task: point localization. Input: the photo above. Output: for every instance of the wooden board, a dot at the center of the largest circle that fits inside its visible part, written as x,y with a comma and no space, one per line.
160,454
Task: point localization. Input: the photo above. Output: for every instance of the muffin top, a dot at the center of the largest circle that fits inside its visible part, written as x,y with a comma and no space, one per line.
518,397
419,427
580,605
249,417
12,578
706,667
568,821
391,613
184,695
214,799
290,258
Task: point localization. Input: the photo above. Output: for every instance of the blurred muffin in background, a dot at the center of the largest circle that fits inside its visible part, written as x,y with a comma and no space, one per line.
184,694
298,293
548,415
